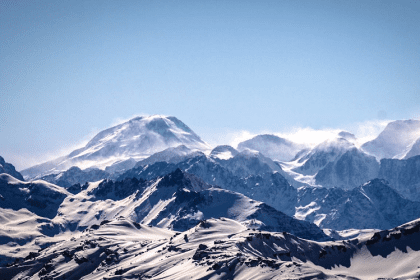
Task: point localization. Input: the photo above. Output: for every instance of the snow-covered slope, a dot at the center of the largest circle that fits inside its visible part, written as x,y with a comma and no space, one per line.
395,140
272,146
75,175
373,205
170,155
9,169
348,171
249,162
220,249
414,150
223,152
176,201
403,175
268,186
121,166
324,153
327,208
137,138
39,197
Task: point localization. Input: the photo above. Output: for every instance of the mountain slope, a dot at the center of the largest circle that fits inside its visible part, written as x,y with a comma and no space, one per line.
414,150
9,169
348,171
75,175
170,155
137,138
328,208
220,249
176,201
403,175
223,152
249,162
322,154
39,197
272,146
267,186
395,140
373,205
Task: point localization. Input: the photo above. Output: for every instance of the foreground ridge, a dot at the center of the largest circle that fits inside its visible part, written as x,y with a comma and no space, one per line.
220,249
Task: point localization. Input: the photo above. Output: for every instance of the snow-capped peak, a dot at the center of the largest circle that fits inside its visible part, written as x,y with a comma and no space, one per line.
223,152
272,146
325,152
338,143
395,141
137,138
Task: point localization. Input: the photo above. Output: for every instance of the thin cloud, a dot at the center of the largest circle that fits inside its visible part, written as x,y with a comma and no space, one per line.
368,130
306,136
118,121
309,136
226,137
25,161
364,131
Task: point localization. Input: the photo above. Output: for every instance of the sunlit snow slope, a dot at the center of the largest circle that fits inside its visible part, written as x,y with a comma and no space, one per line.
137,139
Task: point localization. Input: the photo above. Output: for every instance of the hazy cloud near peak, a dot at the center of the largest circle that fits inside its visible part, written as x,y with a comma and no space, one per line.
21,161
364,131
368,130
118,121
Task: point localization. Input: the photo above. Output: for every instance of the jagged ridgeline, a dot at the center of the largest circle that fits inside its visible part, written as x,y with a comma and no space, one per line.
148,198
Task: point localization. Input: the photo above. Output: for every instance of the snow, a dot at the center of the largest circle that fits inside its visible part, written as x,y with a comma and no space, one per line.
225,241
224,155
300,179
412,150
176,226
272,146
319,218
217,249
395,140
396,265
303,211
137,138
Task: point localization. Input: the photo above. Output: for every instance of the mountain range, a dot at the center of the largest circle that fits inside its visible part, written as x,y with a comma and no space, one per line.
148,198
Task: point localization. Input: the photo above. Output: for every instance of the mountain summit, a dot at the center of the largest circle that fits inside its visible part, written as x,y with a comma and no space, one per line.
272,146
137,138
395,141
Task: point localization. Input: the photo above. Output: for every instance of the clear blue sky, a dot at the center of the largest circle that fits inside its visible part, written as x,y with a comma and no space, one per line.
70,68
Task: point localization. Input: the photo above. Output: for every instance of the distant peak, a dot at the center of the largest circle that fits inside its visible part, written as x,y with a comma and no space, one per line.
136,118
403,124
150,118
270,138
224,148
347,135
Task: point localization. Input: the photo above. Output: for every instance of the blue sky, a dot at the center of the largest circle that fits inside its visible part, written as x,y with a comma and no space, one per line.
71,68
